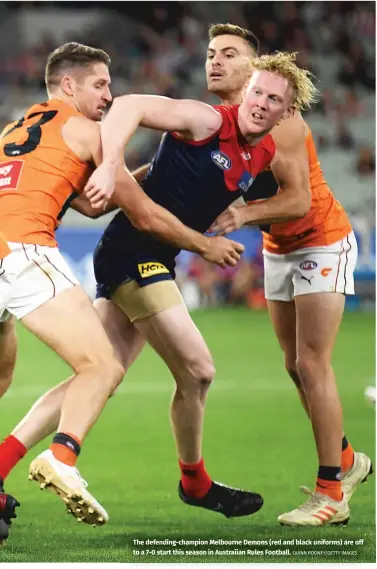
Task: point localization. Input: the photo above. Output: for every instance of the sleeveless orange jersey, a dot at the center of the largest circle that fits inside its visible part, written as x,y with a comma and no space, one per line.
39,174
324,224
4,249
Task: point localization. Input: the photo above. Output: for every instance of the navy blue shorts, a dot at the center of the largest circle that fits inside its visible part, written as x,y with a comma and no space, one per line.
112,268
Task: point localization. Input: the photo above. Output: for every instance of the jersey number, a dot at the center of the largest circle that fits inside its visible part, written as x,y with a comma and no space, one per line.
34,132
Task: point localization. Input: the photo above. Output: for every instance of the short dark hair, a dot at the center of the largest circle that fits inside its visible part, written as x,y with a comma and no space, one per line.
69,56
233,30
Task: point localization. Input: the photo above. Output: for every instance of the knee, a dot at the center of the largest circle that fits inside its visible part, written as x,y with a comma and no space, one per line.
312,369
197,376
110,370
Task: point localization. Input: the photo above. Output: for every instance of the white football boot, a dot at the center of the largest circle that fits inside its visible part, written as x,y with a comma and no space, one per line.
66,482
318,510
360,470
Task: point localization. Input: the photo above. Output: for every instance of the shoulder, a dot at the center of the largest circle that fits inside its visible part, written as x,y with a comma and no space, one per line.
290,133
83,137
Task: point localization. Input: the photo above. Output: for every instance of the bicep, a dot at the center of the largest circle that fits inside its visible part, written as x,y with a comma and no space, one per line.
291,169
162,113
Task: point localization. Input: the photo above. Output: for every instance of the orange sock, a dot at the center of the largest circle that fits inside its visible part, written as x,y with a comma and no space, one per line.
65,452
331,488
347,455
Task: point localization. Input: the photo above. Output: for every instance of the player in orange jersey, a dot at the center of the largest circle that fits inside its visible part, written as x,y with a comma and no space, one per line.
46,158
305,260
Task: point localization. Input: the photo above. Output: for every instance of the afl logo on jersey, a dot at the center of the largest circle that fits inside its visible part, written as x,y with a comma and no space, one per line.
308,265
221,160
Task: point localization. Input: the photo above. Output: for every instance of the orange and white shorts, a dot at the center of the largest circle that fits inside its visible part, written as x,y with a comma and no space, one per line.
30,276
311,270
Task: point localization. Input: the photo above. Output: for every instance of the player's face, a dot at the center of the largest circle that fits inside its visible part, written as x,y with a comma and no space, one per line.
92,91
228,64
267,98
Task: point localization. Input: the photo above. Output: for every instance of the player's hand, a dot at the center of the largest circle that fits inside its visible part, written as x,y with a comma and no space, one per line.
228,221
100,186
223,252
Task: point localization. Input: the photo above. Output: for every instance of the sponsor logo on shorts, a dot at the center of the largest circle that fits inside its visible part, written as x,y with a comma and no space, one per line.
221,160
308,280
308,265
10,173
150,269
325,272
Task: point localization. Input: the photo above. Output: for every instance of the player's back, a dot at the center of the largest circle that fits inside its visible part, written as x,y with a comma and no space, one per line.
39,173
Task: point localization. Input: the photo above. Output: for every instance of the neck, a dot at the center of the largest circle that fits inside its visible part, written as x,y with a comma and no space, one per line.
64,98
234,98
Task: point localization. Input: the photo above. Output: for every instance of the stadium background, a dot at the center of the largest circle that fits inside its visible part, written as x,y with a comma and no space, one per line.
256,434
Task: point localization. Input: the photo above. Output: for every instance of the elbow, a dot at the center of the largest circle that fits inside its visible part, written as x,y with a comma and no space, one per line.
303,206
145,223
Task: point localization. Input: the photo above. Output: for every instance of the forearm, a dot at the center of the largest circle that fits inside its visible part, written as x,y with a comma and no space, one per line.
285,206
149,217
83,206
168,228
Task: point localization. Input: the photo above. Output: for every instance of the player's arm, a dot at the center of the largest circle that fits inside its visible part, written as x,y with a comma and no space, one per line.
82,205
84,138
193,119
290,167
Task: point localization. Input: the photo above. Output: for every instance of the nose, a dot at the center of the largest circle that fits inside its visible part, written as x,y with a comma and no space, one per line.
262,102
107,96
216,60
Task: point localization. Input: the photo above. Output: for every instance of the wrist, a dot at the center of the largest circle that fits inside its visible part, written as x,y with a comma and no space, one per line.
246,214
202,244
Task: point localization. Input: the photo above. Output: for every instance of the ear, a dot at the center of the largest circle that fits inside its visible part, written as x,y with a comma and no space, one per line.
290,112
68,85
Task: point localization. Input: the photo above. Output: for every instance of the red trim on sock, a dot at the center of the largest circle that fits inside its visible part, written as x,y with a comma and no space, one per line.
195,479
11,452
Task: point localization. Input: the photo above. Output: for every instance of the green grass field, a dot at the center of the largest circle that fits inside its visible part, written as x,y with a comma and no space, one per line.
256,436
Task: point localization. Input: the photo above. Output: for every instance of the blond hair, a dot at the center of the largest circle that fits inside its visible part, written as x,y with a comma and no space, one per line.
72,56
283,64
233,30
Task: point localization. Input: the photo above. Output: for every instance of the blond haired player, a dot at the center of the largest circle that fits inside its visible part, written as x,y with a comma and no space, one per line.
309,264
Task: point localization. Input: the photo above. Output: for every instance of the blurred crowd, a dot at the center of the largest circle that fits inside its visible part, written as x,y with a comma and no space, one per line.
161,49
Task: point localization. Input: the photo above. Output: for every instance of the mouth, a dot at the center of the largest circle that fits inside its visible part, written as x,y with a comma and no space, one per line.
257,117
215,75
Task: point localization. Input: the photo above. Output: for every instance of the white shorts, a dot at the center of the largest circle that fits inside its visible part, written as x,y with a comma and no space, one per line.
311,270
30,276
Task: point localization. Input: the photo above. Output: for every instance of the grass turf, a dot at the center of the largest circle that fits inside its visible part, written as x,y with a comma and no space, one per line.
256,436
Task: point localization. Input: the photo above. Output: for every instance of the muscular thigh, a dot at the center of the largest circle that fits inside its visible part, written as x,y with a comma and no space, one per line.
125,338
283,318
175,337
318,320
70,325
159,313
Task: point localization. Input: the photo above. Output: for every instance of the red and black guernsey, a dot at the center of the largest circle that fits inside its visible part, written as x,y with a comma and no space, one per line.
196,181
